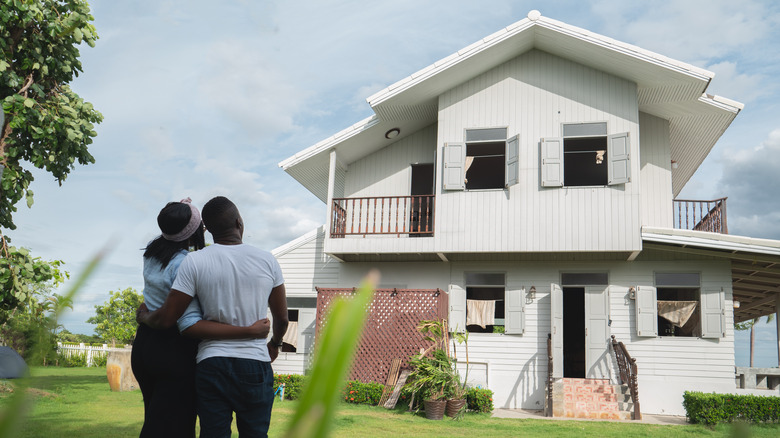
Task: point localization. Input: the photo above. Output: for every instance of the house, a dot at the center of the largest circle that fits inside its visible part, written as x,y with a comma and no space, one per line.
532,177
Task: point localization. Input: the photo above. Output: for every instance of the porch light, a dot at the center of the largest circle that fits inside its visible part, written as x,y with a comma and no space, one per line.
674,164
736,304
393,133
532,293
632,292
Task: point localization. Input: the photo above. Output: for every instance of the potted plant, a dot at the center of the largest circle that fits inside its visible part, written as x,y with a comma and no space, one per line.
433,376
456,400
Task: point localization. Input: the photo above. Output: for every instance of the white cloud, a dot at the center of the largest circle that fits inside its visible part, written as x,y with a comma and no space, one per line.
729,81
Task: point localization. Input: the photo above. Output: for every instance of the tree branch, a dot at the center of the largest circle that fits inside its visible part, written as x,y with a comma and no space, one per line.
27,85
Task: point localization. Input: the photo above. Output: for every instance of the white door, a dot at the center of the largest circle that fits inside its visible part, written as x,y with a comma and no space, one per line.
597,332
556,329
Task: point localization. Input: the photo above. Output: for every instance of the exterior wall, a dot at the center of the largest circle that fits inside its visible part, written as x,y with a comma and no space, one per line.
305,265
533,95
388,172
656,172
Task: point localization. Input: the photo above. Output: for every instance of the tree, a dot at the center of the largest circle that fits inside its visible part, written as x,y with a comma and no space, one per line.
749,325
45,123
115,319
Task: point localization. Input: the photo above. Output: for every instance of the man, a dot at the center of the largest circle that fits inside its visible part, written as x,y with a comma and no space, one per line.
236,284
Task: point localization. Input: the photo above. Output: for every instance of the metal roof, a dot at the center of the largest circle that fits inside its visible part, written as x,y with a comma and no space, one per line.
755,264
667,88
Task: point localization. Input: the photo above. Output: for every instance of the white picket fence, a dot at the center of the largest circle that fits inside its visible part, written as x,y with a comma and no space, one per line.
91,351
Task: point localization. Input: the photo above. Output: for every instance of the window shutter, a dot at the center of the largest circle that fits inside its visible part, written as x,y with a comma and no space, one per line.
457,308
713,315
646,311
552,162
515,312
454,161
556,329
306,318
618,153
512,163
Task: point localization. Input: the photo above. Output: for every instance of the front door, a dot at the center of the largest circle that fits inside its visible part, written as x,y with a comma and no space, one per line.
580,331
421,217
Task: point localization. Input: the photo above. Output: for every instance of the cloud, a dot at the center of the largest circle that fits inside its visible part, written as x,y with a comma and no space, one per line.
750,178
729,81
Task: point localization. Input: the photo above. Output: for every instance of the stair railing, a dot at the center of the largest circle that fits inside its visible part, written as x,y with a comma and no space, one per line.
628,370
549,407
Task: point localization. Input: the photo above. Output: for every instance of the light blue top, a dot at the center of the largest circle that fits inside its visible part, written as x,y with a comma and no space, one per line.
157,285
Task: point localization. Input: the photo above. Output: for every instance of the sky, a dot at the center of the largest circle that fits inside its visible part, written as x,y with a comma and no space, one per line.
204,98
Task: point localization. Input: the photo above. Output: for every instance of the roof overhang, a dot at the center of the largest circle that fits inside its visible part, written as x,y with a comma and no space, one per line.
669,89
755,264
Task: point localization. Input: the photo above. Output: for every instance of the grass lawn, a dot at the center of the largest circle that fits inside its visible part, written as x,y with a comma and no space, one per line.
76,402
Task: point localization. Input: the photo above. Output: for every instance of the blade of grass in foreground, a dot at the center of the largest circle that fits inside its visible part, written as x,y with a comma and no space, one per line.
13,412
332,359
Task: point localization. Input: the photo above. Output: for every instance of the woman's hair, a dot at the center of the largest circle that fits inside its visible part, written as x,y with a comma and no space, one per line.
171,220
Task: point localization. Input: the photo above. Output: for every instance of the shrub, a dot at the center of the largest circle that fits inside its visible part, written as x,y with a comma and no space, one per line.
75,359
362,393
725,408
99,360
479,400
292,384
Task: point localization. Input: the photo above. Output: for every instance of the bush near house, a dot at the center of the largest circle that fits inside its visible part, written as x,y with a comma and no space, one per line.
363,393
726,408
292,384
479,400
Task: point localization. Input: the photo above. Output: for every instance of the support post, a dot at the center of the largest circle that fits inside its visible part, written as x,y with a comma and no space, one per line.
331,190
777,324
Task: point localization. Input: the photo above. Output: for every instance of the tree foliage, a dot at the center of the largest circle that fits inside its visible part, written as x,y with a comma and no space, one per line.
26,280
115,319
46,124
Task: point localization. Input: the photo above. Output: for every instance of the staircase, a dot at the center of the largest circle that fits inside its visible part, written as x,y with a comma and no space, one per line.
591,398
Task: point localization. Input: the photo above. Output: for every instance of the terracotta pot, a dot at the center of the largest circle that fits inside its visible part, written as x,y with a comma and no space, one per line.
434,409
454,406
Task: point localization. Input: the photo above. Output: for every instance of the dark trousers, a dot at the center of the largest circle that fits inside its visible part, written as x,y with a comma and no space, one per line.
163,362
226,385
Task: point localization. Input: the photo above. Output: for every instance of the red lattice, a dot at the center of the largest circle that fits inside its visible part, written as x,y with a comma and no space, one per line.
391,327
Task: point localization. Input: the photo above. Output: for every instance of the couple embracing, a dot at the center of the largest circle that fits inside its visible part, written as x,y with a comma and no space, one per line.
220,295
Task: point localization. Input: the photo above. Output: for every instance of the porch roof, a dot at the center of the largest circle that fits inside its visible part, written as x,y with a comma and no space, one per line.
667,88
755,264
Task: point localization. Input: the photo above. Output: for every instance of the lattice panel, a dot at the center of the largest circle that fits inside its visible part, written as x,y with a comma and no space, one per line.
391,327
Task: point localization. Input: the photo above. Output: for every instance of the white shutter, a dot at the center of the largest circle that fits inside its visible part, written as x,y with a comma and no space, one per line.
457,308
514,312
618,153
646,311
454,162
713,315
512,171
552,162
556,329
306,318
597,331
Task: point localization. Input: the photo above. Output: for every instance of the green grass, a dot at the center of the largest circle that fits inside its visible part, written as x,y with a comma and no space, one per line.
76,402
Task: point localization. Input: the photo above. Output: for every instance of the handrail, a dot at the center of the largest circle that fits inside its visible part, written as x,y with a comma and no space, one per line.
628,371
549,407
362,216
701,215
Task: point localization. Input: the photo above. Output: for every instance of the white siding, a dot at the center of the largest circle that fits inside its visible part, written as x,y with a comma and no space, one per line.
305,265
656,198
533,95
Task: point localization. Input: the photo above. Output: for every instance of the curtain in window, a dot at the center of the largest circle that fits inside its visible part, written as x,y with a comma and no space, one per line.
291,337
676,312
480,312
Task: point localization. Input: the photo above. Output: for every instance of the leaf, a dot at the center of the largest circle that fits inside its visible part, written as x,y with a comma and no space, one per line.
77,35
29,102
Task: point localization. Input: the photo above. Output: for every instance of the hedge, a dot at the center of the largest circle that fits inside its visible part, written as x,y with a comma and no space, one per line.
725,408
478,399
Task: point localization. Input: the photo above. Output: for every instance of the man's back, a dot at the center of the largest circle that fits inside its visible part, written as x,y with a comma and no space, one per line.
233,283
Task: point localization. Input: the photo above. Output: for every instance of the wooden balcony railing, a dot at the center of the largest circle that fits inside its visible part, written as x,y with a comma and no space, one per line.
701,215
628,370
399,215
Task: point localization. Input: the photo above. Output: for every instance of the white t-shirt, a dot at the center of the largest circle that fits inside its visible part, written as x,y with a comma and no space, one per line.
233,283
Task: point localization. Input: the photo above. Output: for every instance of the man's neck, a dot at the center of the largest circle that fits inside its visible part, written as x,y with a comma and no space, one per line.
228,240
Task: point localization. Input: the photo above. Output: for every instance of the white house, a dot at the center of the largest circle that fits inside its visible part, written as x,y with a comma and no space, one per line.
532,176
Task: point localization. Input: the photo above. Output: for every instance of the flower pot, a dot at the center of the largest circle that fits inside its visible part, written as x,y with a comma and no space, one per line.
454,406
434,409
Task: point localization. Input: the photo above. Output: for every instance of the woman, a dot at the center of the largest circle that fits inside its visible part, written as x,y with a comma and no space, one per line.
163,361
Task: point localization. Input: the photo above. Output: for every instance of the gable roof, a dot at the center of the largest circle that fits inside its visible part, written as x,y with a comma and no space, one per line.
669,89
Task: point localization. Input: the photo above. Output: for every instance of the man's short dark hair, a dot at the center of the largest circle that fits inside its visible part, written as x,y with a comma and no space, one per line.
219,215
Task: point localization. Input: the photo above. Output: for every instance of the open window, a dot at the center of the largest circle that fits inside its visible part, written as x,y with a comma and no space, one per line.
585,156
301,312
487,160
678,307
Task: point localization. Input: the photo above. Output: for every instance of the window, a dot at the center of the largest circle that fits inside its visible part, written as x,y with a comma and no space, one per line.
487,160
678,306
485,308
585,156
301,312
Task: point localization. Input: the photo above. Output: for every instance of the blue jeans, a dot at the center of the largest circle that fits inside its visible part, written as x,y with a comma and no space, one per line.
225,385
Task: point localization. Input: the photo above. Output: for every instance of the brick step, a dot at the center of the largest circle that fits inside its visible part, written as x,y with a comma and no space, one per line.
591,398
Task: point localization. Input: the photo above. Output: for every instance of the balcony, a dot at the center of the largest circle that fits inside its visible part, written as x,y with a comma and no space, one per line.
410,216
701,215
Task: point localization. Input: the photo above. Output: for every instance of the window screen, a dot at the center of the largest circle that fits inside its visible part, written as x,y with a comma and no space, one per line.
584,129
584,279
677,279
484,279
302,302
487,134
